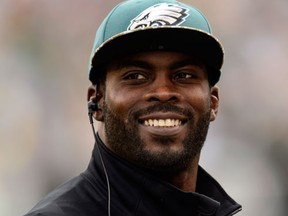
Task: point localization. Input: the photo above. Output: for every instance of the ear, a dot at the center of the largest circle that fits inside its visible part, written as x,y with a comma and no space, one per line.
214,103
95,94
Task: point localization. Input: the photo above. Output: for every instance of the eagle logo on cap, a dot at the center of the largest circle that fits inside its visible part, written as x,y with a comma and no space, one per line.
163,14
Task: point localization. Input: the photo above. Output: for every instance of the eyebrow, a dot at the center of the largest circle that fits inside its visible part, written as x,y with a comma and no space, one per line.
131,63
149,66
187,62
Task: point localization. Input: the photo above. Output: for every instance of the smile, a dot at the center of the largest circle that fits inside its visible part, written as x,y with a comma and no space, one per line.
162,122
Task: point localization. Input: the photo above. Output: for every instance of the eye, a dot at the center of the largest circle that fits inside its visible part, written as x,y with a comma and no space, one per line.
185,76
145,17
158,23
134,76
140,26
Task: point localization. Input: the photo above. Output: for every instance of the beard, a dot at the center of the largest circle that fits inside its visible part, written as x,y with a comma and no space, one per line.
123,138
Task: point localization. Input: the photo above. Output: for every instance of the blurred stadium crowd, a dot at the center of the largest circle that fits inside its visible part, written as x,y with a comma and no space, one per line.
45,136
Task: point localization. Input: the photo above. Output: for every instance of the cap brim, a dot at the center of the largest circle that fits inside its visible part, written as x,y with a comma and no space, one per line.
182,39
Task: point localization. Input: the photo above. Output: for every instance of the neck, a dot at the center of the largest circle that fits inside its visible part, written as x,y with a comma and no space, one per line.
185,180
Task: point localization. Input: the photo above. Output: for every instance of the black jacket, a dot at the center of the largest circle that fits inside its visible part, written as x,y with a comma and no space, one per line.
134,192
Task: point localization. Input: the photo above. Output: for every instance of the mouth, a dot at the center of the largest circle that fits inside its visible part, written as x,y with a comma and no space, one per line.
163,120
168,125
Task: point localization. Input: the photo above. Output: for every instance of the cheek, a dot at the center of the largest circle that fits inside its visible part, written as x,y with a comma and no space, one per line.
200,102
119,101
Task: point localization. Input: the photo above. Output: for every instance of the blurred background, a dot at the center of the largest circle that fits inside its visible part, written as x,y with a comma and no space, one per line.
45,136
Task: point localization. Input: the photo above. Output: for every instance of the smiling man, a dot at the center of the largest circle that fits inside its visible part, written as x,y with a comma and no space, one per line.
154,69
156,109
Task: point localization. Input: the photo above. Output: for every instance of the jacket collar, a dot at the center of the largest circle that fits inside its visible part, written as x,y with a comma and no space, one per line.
140,190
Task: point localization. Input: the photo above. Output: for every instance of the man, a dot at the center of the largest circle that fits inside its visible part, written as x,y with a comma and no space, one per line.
153,70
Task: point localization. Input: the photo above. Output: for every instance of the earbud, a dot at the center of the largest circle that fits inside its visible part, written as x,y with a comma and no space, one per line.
92,106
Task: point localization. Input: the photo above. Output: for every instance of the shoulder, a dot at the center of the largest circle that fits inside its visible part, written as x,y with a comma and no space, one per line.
75,197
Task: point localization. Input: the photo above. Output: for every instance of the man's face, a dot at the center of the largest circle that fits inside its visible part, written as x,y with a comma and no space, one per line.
157,109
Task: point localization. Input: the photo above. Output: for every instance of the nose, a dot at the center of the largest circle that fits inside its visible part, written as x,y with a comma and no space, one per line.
163,90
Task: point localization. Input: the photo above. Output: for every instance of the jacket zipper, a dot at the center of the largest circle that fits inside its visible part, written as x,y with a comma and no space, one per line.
235,212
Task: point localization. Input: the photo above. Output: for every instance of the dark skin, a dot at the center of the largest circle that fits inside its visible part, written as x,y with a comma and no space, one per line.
151,78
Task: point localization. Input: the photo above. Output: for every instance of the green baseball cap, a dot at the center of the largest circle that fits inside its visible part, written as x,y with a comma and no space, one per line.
143,25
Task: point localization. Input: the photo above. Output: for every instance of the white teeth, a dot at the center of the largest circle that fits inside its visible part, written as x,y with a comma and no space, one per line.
162,122
176,122
172,122
168,122
155,123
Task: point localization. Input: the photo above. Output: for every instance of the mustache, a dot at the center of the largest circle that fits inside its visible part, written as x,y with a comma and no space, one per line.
162,107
